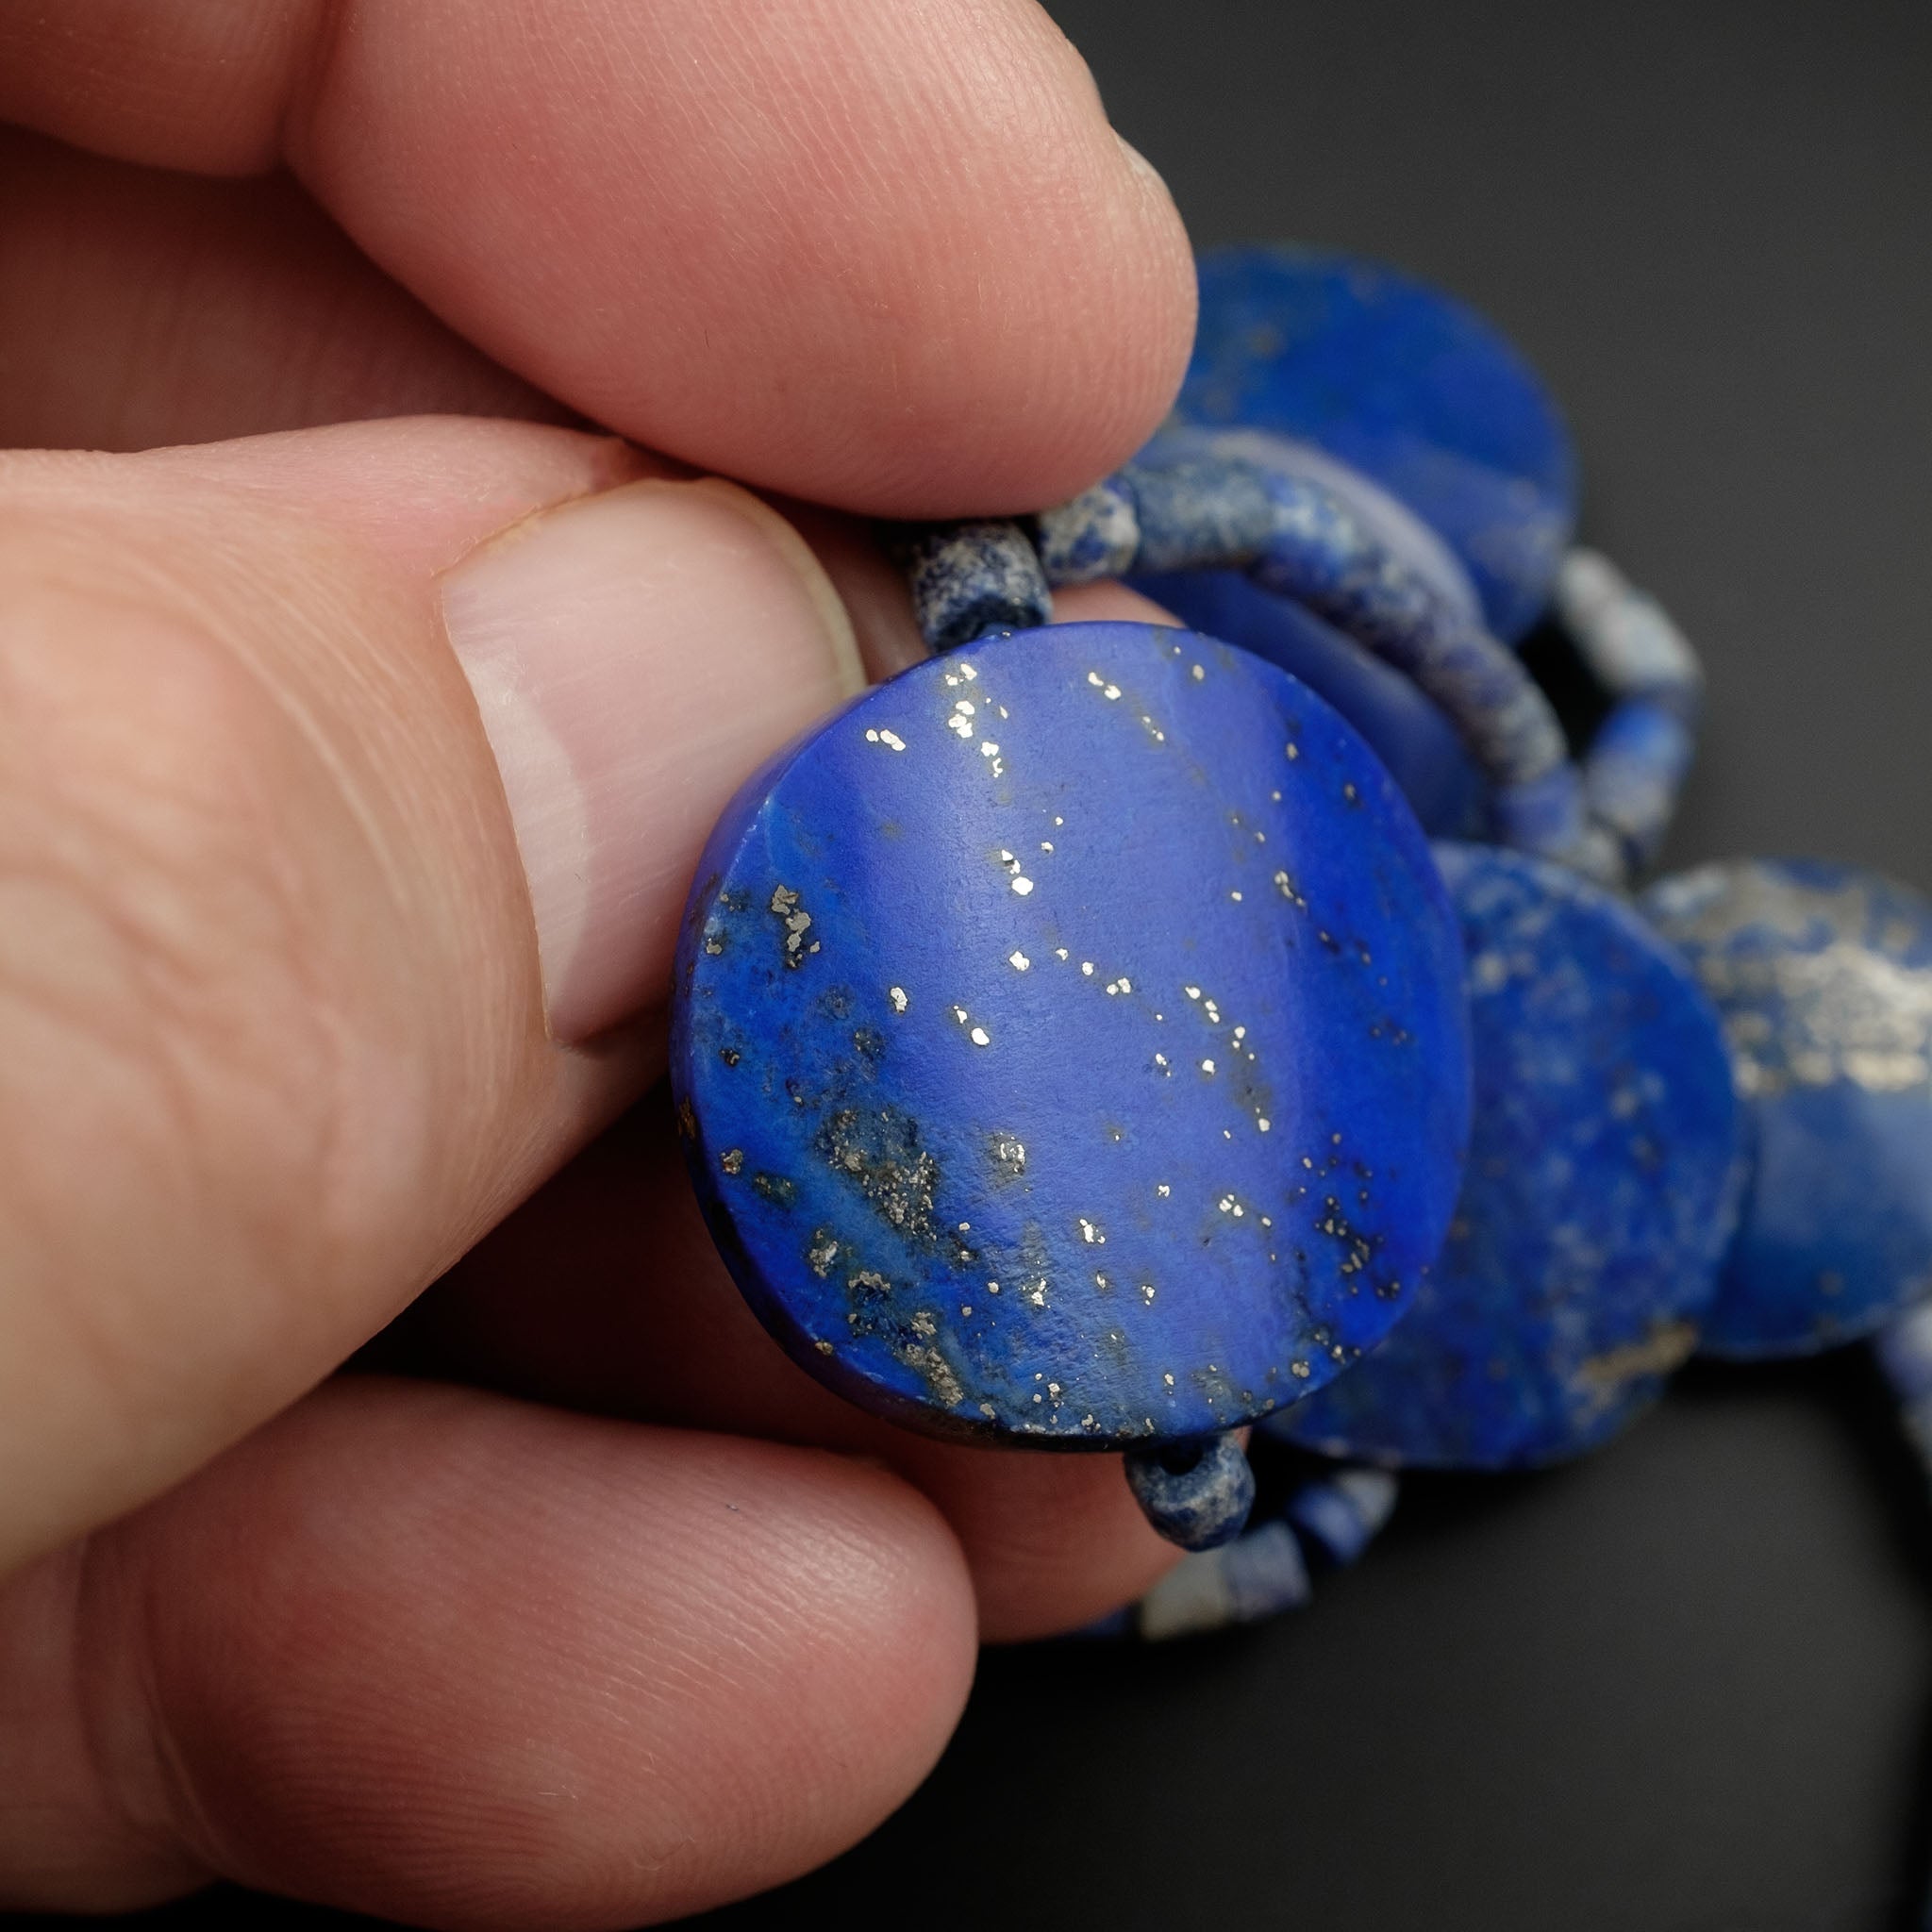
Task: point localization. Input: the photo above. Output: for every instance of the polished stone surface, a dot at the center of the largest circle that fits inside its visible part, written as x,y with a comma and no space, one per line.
1071,1042
1599,1195
1405,384
1823,974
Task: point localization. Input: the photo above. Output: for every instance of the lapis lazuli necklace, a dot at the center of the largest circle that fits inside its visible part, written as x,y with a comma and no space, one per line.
1106,1036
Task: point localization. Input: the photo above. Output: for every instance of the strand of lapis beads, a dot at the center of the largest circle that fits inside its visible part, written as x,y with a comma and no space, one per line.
1790,953
881,1025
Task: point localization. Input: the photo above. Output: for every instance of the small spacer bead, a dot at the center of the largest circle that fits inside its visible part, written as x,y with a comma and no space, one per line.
1097,535
1196,1491
969,580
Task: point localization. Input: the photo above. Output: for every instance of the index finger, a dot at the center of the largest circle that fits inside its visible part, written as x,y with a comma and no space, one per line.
885,254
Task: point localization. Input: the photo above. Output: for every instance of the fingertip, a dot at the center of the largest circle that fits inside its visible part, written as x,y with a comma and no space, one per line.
1054,1541
448,1658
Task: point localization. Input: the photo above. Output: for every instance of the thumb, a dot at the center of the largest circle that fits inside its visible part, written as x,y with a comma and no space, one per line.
349,786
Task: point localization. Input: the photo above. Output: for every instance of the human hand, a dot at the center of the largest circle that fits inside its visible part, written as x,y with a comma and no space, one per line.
616,1639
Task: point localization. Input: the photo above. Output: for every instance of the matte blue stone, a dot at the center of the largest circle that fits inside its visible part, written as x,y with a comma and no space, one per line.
1406,385
1196,1493
1095,962
1407,731
1823,974
1597,1201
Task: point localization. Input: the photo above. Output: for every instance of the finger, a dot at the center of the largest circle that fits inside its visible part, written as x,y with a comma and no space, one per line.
291,965
1109,603
141,308
604,1292
881,252
453,1660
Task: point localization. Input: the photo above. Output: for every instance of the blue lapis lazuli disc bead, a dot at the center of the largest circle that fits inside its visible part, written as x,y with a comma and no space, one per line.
1823,974
1598,1198
1070,1043
1406,385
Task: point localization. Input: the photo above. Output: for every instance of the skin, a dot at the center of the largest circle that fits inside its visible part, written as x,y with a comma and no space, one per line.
576,1604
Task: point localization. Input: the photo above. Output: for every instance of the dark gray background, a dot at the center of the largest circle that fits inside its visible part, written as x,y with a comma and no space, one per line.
1682,1687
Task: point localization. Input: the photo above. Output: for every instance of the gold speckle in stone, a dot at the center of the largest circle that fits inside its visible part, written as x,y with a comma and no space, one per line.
1349,792
897,995
1160,1059
1213,1011
987,1409
1147,1292
1293,749
968,672
1206,1066
1168,1378
1086,967
1225,1203
992,1288
960,1014
1101,1282
1262,1122
965,1310
1036,1294
1053,1389
961,722
1022,886
1198,673
1109,691
822,1347
1299,1371
1046,844
1018,961
1090,1232
1059,820
732,1160
1038,1397
891,739
1260,837
1093,677
1121,985
1236,897
979,1037
1193,992
1162,1188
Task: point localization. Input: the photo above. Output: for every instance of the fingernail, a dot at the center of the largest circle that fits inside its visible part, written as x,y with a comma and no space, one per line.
634,656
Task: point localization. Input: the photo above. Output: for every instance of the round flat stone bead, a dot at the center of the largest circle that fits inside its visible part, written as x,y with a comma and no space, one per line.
1822,975
1596,1204
1405,384
1032,1016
